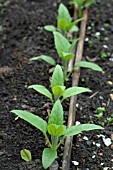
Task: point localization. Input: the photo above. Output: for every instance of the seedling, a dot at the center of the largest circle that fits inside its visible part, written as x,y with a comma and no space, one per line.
104,54
65,25
64,49
81,4
109,120
55,128
100,111
58,89
26,155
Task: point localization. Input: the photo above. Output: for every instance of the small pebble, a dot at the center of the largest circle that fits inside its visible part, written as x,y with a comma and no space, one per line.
77,123
107,141
86,39
105,46
89,28
93,156
100,154
111,59
111,96
98,144
100,97
77,105
103,29
102,163
104,104
85,138
109,82
97,33
75,163
105,168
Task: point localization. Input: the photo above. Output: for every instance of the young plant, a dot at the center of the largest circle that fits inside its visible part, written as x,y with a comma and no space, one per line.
65,25
64,49
58,89
81,4
54,128
100,111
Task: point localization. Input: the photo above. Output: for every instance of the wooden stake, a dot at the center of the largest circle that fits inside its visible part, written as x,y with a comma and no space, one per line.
75,80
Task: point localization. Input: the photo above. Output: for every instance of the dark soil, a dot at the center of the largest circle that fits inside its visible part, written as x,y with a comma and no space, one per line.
22,37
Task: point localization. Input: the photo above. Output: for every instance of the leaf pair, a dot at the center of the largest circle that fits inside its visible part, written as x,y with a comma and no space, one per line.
64,22
58,88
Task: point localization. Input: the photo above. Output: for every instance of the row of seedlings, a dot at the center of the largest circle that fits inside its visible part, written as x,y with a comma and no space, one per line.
55,130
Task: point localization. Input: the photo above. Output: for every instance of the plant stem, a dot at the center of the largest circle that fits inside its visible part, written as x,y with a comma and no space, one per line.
54,142
47,139
65,69
61,141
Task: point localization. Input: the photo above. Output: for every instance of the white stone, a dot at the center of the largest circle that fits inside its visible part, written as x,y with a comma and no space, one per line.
97,33
100,136
77,123
102,163
77,105
75,163
107,141
98,144
111,59
105,168
103,29
85,138
105,46
86,39
93,156
89,28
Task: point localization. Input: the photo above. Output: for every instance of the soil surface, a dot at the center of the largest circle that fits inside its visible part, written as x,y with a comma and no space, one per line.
21,37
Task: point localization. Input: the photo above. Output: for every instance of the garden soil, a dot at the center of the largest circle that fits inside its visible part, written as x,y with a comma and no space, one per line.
21,37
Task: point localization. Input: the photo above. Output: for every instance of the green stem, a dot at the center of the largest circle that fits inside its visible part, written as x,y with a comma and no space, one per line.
70,73
65,69
80,12
54,142
47,139
61,141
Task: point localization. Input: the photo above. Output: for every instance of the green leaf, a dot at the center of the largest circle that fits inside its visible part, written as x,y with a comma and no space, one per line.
34,120
88,3
48,59
66,56
79,2
50,28
74,29
41,89
25,155
58,91
69,26
56,116
63,13
57,77
73,44
48,156
61,43
62,24
56,130
74,91
74,130
90,65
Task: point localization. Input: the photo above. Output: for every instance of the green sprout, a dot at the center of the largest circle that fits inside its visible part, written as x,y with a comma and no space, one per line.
100,111
104,54
65,25
64,49
54,128
59,91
